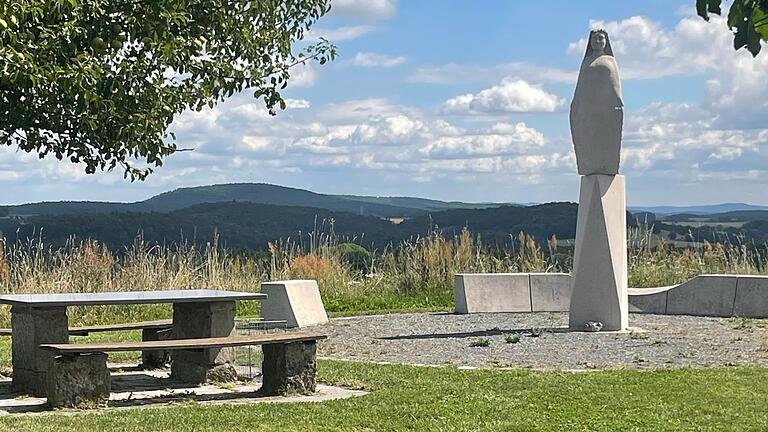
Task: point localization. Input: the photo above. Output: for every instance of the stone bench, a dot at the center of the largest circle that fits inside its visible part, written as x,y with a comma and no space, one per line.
78,376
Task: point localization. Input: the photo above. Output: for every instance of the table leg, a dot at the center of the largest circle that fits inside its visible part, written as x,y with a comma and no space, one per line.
203,320
33,326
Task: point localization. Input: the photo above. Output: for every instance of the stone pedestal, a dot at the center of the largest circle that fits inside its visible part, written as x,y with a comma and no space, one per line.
600,259
202,320
289,368
32,327
78,381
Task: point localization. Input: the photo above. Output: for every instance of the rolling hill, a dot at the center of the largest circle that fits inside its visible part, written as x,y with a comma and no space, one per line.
241,225
259,193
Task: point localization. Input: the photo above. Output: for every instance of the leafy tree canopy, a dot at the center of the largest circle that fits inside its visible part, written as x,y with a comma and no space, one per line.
748,19
99,81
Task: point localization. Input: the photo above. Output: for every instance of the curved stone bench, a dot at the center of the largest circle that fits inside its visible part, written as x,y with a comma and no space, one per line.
705,295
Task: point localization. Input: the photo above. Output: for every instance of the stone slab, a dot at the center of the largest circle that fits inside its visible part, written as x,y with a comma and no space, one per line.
298,302
127,297
496,292
550,292
649,300
751,297
706,295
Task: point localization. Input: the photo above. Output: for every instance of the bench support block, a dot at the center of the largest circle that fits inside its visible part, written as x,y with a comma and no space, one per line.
289,368
155,359
78,381
31,328
203,320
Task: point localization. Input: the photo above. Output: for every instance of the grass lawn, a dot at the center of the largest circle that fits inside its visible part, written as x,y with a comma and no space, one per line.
439,399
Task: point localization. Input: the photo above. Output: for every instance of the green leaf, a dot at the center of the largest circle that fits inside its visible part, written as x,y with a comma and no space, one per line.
736,15
760,19
754,40
705,7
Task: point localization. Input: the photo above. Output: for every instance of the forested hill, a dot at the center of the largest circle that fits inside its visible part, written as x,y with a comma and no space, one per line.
243,225
259,193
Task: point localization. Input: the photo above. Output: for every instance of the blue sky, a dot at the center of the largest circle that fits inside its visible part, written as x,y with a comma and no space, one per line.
467,100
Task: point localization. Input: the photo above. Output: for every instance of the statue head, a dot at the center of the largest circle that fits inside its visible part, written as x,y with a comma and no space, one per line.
599,43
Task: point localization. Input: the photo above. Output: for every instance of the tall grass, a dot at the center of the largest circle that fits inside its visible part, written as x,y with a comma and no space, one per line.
417,274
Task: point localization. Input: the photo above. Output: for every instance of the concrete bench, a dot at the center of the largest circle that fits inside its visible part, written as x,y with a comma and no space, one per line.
78,375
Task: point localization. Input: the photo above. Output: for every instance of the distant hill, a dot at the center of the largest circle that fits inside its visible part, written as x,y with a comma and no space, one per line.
697,210
259,193
249,215
423,203
497,224
262,193
241,225
732,216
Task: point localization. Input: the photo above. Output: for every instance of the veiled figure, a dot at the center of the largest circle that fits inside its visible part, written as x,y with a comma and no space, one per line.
597,110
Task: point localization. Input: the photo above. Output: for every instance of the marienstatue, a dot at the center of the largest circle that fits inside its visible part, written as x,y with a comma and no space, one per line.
597,109
599,284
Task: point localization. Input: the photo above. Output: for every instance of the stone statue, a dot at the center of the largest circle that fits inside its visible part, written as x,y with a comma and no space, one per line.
597,110
599,299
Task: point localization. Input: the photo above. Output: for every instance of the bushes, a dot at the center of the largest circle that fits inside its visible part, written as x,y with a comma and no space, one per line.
355,256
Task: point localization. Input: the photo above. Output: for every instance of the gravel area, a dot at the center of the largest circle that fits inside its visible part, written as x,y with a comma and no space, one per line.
665,341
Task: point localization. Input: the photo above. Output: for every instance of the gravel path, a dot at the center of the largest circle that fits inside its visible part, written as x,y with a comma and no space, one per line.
443,338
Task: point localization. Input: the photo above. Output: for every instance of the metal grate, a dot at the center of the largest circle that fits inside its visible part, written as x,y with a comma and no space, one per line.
248,358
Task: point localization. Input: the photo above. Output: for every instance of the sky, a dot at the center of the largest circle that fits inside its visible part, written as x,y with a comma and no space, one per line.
467,100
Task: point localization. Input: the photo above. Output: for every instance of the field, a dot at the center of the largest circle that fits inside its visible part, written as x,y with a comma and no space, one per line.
418,275
445,399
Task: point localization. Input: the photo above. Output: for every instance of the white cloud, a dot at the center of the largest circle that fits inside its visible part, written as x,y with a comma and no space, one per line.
297,103
455,73
646,50
367,59
303,75
364,9
395,130
503,139
511,96
339,34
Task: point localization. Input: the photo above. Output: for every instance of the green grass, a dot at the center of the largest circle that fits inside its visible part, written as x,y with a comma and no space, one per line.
443,399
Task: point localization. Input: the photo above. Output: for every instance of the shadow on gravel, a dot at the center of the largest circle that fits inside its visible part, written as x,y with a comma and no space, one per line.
534,332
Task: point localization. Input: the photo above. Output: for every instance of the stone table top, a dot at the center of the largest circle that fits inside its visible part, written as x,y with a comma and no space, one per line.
127,297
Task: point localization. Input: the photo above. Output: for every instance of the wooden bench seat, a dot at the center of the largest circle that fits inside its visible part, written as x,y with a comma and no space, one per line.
260,324
175,344
78,375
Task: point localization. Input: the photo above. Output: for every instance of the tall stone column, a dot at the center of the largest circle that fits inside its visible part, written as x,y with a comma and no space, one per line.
600,259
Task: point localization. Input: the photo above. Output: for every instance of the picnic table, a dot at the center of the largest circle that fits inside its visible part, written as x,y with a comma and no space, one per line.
38,319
